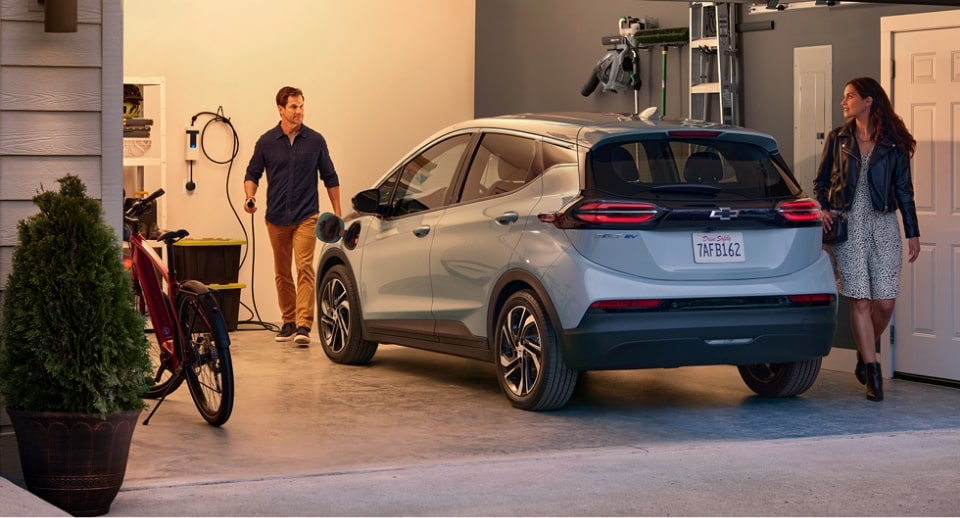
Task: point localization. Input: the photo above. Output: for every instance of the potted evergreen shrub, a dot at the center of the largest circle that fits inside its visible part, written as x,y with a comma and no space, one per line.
73,352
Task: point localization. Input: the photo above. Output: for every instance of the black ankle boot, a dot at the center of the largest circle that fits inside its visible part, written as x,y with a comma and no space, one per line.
874,382
861,371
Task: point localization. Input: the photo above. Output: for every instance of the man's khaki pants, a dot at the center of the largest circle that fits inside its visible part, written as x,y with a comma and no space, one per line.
295,245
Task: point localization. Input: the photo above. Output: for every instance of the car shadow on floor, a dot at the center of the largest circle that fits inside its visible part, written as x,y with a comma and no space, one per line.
707,402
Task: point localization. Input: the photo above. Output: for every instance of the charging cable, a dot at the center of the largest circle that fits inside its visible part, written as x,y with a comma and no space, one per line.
218,117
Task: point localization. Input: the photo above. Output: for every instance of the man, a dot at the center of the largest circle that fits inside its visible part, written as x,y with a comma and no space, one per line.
294,157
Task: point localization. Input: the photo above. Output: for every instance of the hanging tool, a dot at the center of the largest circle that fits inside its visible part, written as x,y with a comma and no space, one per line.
666,38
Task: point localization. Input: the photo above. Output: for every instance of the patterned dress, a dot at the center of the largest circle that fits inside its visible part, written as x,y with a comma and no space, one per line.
868,263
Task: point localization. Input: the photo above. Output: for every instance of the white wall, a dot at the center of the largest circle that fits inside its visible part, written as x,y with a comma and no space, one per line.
378,77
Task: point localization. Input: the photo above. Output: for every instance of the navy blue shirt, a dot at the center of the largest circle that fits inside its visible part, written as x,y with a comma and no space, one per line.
292,173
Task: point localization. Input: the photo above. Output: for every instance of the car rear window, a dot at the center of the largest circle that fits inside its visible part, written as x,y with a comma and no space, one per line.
682,166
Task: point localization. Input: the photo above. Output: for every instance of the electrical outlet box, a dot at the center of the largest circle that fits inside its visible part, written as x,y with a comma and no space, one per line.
192,144
189,186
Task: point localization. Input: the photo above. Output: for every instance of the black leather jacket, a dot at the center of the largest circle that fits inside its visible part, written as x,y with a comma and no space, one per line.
891,185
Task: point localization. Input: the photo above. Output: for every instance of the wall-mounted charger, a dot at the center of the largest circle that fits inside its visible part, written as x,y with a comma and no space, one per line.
193,144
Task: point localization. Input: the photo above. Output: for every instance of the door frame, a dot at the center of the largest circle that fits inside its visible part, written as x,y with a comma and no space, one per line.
889,26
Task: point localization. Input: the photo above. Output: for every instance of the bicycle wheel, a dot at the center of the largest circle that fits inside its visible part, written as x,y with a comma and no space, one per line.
206,347
163,379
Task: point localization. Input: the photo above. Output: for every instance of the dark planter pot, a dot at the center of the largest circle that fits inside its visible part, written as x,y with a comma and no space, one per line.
74,461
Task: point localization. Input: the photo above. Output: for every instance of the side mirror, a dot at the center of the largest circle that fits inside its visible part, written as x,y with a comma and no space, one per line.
367,201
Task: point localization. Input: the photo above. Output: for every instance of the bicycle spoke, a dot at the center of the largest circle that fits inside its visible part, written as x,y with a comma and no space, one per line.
210,372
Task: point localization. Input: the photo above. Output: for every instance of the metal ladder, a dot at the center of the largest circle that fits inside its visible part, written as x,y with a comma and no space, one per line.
714,63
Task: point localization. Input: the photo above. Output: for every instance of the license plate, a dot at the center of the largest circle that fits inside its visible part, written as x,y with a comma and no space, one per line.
718,247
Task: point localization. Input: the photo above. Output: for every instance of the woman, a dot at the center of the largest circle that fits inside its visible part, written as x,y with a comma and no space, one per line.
865,176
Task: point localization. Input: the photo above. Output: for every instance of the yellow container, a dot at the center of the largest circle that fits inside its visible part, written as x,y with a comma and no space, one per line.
210,261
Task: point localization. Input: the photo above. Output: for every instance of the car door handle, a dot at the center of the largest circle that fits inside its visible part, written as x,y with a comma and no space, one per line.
507,217
421,231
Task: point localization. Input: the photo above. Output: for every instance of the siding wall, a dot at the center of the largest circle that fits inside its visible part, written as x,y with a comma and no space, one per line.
60,110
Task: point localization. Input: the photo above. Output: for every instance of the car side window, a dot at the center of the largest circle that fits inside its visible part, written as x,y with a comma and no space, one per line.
502,163
425,179
388,186
554,155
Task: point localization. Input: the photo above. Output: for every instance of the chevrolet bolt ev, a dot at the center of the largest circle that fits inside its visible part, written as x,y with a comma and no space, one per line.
552,244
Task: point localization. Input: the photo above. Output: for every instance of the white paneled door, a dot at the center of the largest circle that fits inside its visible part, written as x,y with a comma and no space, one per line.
925,71
812,109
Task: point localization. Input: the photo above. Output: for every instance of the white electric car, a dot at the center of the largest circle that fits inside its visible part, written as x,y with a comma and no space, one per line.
551,244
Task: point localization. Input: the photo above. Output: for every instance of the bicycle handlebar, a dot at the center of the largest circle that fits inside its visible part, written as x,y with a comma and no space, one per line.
140,206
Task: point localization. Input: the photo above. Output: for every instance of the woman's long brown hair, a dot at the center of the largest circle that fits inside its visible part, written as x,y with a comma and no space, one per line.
886,123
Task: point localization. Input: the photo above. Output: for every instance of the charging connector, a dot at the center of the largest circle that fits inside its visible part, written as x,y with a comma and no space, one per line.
192,144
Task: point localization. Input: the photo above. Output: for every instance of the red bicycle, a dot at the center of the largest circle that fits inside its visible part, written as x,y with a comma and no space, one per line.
189,338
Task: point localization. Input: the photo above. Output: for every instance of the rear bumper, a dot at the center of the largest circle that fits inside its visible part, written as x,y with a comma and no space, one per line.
607,341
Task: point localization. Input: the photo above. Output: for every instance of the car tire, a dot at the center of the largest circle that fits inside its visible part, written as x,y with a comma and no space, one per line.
338,313
780,379
530,366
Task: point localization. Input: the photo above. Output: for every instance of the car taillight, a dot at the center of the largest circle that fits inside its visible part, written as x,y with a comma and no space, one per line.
607,212
800,211
814,299
620,305
593,213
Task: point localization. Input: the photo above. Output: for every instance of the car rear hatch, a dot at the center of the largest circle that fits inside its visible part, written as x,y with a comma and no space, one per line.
685,205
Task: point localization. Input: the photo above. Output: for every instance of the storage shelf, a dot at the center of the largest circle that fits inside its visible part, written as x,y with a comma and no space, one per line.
714,65
141,162
705,88
711,43
145,159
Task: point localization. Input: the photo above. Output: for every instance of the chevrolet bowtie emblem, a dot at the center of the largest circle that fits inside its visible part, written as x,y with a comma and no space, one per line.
724,214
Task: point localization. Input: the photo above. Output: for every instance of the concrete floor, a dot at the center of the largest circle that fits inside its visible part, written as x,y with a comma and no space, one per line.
418,433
